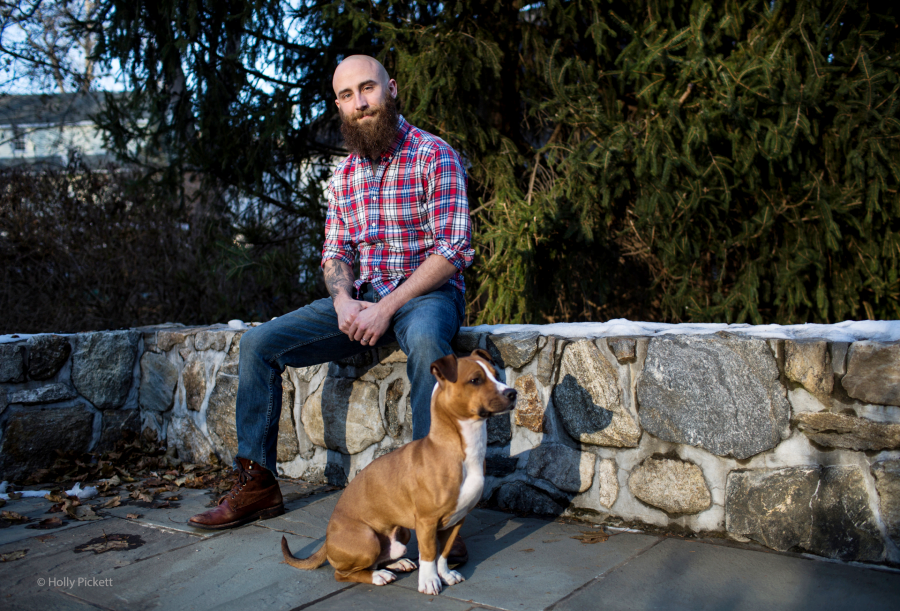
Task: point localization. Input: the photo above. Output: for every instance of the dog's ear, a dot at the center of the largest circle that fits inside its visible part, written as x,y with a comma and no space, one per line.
483,354
445,368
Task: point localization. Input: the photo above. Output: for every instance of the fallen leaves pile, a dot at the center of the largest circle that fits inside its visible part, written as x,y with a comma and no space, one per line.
592,536
137,472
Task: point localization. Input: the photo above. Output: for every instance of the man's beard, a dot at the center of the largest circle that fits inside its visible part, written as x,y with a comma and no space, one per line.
375,136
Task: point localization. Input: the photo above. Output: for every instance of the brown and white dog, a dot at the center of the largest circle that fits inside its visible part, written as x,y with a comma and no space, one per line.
429,485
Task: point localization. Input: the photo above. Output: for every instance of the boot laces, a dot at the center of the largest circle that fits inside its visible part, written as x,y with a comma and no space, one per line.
243,476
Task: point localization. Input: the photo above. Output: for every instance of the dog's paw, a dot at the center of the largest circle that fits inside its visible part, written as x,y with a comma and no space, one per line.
451,578
404,565
429,580
430,585
382,577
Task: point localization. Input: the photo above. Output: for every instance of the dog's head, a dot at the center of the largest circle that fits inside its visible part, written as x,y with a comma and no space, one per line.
471,387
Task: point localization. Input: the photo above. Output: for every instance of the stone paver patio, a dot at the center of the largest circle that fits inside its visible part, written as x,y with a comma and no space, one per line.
516,563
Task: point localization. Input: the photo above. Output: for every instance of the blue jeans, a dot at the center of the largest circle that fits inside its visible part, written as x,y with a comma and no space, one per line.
423,327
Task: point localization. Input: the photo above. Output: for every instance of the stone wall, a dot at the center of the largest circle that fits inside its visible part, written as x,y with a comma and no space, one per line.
794,444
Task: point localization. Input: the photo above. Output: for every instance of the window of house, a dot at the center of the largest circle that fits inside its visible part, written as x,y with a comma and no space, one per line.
18,140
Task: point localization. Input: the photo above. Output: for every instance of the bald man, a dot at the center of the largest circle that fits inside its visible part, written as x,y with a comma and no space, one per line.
399,203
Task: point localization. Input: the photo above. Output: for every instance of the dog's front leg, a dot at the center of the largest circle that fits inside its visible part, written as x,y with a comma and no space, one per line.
445,542
429,580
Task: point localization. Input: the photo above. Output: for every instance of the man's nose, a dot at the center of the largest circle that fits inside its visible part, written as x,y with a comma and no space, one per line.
361,102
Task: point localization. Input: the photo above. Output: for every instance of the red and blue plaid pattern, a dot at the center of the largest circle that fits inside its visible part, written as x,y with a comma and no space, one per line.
411,205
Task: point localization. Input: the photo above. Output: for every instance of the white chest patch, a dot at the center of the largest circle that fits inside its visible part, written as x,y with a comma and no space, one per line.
475,436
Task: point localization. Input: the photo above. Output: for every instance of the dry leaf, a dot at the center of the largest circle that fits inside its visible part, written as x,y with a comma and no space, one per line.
132,516
56,496
113,502
83,513
10,556
141,495
108,543
592,536
12,516
105,546
48,524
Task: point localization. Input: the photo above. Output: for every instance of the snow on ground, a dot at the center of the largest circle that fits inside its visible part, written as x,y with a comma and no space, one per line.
848,331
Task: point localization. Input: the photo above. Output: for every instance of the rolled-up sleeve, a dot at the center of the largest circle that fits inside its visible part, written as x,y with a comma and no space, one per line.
447,203
337,237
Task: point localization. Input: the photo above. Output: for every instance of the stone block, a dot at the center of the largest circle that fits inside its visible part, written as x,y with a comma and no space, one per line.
565,468
466,341
873,373
158,380
288,446
822,510
887,482
391,354
849,432
46,355
608,482
32,437
166,340
194,377
193,446
210,340
624,348
675,486
393,408
515,349
809,364
839,352
547,358
377,373
519,496
529,406
720,394
114,426
48,393
103,366
360,361
12,363
499,431
220,417
500,466
589,401
343,415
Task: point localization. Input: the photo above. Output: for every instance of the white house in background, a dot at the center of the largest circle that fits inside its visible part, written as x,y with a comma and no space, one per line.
46,129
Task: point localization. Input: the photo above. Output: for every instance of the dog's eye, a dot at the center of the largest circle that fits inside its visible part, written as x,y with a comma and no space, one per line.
475,381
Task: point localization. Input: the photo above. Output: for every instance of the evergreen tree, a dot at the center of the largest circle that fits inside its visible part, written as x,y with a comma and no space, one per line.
710,161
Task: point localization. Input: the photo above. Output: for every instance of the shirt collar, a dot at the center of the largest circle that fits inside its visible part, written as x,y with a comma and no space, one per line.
402,129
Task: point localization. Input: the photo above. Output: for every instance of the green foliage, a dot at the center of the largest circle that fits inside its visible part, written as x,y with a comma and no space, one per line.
708,161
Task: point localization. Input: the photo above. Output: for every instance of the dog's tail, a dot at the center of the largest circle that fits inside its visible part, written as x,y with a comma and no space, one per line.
307,564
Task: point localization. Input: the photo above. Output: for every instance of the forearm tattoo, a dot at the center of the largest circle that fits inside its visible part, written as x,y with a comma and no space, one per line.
338,278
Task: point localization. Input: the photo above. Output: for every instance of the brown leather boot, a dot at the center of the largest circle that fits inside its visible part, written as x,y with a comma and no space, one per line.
458,552
255,494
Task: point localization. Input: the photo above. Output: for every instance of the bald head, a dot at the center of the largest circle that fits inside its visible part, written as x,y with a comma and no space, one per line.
356,67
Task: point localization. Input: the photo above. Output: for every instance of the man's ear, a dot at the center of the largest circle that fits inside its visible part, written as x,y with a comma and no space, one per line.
445,369
483,354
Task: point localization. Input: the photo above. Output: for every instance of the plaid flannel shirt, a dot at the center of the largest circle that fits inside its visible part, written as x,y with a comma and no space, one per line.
413,204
